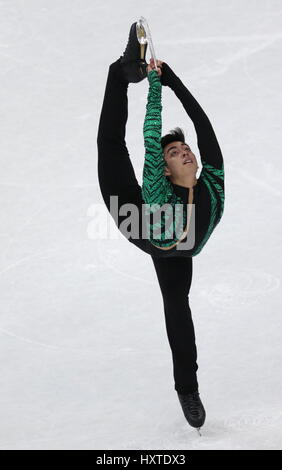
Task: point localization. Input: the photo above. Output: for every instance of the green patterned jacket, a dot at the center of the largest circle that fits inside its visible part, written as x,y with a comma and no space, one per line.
158,192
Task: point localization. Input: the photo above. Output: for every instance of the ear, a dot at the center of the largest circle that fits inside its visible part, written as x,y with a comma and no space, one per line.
167,171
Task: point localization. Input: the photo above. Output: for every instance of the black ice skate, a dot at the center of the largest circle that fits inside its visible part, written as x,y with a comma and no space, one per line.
133,60
193,409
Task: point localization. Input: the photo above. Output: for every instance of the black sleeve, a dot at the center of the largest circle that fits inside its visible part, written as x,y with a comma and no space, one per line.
207,142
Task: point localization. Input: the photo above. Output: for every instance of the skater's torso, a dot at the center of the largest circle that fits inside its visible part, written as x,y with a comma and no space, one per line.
206,203
179,220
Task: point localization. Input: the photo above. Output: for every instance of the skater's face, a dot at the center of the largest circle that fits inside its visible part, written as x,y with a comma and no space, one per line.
176,154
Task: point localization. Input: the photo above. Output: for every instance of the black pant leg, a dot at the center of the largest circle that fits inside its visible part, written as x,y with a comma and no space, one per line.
175,276
116,174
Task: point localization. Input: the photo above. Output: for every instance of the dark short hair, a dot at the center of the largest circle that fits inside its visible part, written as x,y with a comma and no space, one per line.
176,134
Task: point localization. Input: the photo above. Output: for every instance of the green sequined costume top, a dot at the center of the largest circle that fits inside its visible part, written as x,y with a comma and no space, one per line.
157,189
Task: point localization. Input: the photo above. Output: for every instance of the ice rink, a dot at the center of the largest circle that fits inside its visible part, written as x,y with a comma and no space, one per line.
85,359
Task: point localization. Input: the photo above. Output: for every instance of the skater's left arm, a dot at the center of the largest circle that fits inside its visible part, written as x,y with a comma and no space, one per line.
155,186
208,145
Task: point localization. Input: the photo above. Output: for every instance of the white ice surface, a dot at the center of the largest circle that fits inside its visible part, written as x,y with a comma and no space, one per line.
85,360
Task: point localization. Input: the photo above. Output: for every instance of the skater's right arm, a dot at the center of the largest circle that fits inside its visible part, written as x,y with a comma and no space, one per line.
156,189
207,142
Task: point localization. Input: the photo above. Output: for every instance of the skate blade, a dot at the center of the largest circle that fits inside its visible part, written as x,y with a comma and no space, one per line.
142,21
198,429
142,38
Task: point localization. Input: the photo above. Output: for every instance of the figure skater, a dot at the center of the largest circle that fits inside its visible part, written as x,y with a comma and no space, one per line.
169,181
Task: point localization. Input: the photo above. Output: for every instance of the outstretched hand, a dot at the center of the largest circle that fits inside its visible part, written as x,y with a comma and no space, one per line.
151,66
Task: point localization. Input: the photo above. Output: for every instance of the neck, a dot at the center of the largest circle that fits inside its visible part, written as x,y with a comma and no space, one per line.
187,182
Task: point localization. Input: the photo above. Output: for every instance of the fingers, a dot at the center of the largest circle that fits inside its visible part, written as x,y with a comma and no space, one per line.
152,62
151,66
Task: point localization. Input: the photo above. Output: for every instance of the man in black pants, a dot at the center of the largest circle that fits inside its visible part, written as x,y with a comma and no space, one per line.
173,268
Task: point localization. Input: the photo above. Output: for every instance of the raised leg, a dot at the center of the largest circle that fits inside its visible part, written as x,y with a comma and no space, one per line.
115,171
